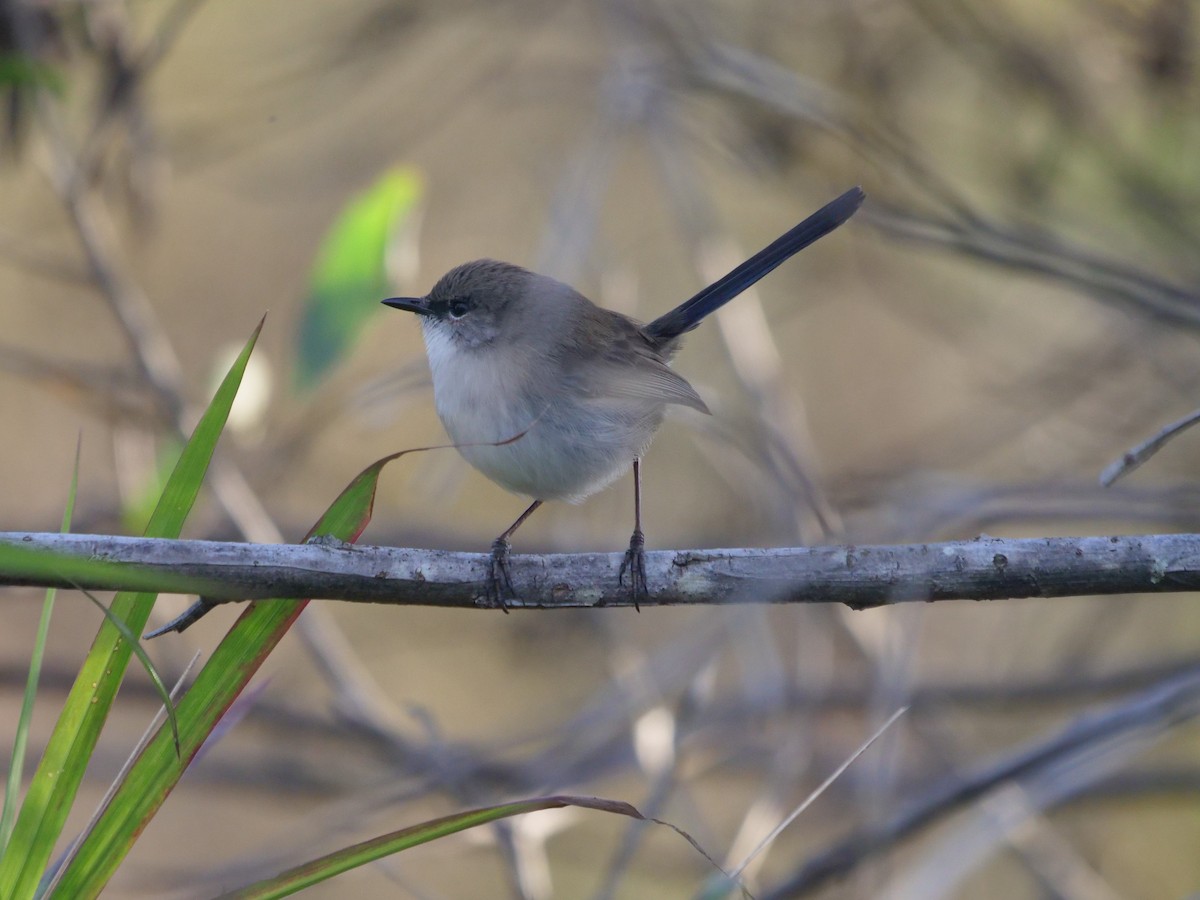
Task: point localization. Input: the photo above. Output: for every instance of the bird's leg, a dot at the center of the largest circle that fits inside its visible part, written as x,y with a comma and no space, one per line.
499,582
635,556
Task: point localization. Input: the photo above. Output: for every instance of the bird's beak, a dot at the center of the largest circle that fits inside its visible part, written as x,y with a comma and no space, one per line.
419,305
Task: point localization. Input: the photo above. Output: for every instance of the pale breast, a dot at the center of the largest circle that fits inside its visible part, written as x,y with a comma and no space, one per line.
569,446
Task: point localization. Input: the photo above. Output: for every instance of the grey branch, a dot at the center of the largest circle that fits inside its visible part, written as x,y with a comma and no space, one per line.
861,577
1064,765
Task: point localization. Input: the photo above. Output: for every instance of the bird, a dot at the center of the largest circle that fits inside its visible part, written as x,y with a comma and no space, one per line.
553,397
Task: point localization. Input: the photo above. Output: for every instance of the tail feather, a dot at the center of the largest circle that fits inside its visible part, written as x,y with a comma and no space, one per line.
688,314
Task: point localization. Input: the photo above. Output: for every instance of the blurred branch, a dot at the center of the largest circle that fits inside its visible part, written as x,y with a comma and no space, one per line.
859,577
958,225
107,391
1133,458
1043,253
75,170
14,253
885,508
1147,714
153,354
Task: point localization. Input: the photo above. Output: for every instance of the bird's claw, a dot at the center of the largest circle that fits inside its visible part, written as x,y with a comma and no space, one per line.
635,564
499,581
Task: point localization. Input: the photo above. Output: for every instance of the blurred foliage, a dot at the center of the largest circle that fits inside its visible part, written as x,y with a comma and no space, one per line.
1016,304
351,273
17,71
53,790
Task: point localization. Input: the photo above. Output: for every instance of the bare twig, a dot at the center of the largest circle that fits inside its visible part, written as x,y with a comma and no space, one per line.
813,795
1043,253
1135,456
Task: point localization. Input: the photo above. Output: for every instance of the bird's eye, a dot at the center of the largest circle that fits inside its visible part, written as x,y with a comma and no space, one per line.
458,308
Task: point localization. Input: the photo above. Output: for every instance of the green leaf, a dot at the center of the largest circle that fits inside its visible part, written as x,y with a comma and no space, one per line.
350,275
21,742
144,658
325,867
23,71
56,781
157,769
22,563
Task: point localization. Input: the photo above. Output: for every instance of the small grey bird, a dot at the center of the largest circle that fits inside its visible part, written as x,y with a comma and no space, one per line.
553,397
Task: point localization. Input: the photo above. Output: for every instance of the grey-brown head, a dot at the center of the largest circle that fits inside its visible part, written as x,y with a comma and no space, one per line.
478,302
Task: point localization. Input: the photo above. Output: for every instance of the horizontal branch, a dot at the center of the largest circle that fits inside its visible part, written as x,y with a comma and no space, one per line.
859,576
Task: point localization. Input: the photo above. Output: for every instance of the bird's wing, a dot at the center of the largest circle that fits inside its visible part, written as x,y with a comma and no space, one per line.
629,369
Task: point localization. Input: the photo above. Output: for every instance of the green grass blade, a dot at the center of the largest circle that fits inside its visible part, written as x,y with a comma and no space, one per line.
21,742
57,779
154,774
160,686
325,867
17,562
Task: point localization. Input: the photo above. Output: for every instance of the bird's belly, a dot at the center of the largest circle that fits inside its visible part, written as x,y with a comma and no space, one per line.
548,449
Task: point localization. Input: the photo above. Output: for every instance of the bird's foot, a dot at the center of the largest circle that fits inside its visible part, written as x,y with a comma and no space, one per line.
499,582
635,564
331,541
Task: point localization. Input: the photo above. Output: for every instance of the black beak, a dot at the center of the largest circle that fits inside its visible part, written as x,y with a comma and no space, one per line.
419,305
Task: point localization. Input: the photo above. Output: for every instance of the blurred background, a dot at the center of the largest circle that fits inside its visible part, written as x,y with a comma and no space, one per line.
1012,309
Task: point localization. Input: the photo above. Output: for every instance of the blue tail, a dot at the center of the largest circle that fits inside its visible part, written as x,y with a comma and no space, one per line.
688,315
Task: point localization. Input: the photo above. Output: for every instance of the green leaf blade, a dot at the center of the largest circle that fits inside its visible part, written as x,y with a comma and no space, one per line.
236,659
325,867
21,742
60,771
